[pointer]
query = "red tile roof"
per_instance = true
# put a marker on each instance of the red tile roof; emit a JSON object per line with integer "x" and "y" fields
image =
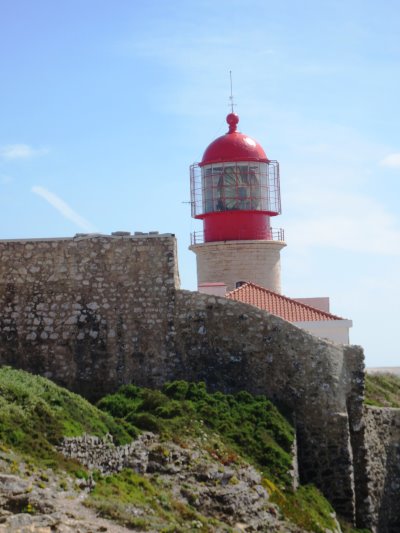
{"x": 279, "y": 305}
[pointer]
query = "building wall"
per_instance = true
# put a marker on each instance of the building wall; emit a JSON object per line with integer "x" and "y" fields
{"x": 96, "y": 312}
{"x": 233, "y": 261}
{"x": 217, "y": 289}
{"x": 319, "y": 302}
{"x": 334, "y": 330}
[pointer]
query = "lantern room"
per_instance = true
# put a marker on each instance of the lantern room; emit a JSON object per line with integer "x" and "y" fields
{"x": 235, "y": 189}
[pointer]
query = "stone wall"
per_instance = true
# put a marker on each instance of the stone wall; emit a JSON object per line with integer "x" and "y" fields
{"x": 378, "y": 470}
{"x": 94, "y": 312}
{"x": 233, "y": 346}
{"x": 100, "y": 453}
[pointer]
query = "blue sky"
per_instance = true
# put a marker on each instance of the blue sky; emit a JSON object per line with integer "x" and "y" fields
{"x": 104, "y": 105}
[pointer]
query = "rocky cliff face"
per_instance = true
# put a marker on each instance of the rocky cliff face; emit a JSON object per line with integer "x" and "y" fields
{"x": 232, "y": 493}
{"x": 232, "y": 496}
{"x": 44, "y": 502}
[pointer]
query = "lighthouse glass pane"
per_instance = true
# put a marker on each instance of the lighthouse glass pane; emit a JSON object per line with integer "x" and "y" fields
{"x": 235, "y": 186}
{"x": 208, "y": 190}
{"x": 250, "y": 186}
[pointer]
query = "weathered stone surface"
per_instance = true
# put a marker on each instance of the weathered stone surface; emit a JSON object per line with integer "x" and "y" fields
{"x": 89, "y": 312}
{"x": 233, "y": 494}
{"x": 101, "y": 454}
{"x": 42, "y": 502}
{"x": 378, "y": 470}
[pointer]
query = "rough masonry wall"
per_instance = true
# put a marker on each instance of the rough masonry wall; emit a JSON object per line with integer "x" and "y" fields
{"x": 95, "y": 312}
{"x": 91, "y": 312}
{"x": 378, "y": 470}
{"x": 233, "y": 346}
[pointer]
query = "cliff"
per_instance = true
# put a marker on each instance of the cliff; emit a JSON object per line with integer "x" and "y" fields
{"x": 189, "y": 475}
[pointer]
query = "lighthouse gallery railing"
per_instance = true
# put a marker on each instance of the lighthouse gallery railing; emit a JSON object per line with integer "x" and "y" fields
{"x": 276, "y": 234}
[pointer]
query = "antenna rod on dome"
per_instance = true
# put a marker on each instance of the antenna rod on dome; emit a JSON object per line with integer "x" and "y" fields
{"x": 231, "y": 96}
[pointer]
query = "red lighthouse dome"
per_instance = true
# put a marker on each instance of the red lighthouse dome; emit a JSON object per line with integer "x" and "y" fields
{"x": 233, "y": 146}
{"x": 235, "y": 188}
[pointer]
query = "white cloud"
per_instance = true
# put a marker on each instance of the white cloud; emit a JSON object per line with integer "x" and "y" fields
{"x": 20, "y": 151}
{"x": 391, "y": 160}
{"x": 63, "y": 208}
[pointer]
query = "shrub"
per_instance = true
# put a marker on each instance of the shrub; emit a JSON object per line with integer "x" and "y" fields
{"x": 177, "y": 389}
{"x": 146, "y": 421}
{"x": 250, "y": 425}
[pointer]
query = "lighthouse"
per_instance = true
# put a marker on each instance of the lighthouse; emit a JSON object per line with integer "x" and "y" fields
{"x": 235, "y": 191}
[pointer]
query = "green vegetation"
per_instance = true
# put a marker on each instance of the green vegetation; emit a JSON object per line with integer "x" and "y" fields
{"x": 35, "y": 414}
{"x": 306, "y": 507}
{"x": 382, "y": 390}
{"x": 115, "y": 496}
{"x": 346, "y": 528}
{"x": 231, "y": 427}
{"x": 249, "y": 426}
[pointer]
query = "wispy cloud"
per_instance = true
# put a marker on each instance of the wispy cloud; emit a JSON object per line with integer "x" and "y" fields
{"x": 391, "y": 160}
{"x": 21, "y": 151}
{"x": 63, "y": 208}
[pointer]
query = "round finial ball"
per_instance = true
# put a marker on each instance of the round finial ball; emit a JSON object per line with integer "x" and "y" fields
{"x": 232, "y": 119}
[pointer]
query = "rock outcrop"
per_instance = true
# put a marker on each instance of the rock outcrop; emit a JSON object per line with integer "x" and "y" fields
{"x": 45, "y": 501}
{"x": 233, "y": 493}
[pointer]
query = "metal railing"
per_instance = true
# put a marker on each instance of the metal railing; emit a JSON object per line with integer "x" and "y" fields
{"x": 275, "y": 234}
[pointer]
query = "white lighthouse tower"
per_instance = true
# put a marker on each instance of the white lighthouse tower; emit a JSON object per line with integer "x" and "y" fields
{"x": 235, "y": 191}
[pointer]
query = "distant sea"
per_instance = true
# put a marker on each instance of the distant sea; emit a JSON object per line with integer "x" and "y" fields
{"x": 384, "y": 370}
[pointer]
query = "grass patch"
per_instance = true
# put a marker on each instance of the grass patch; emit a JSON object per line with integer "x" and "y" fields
{"x": 382, "y": 390}
{"x": 136, "y": 502}
{"x": 306, "y": 507}
{"x": 35, "y": 414}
